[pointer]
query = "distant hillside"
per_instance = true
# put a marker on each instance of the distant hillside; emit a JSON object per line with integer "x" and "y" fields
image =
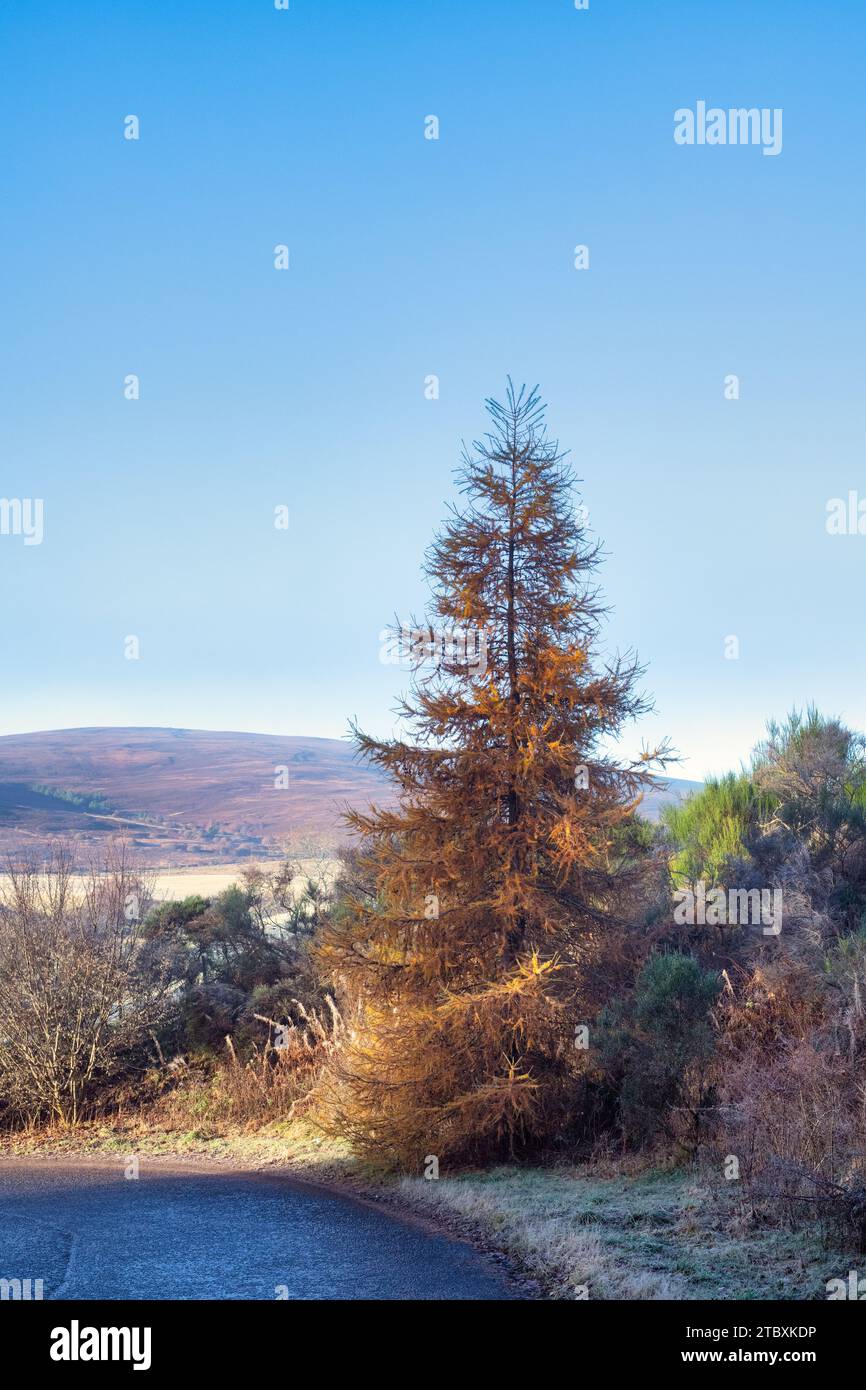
{"x": 667, "y": 790}
{"x": 181, "y": 797}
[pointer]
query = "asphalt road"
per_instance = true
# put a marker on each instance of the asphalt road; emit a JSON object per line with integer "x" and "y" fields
{"x": 89, "y": 1232}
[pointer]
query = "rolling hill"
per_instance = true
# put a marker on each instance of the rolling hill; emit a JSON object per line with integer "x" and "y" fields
{"x": 184, "y": 797}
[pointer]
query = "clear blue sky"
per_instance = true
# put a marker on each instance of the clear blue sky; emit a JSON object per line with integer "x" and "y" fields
{"x": 411, "y": 257}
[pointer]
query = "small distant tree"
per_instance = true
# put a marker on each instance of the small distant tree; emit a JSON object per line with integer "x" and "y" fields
{"x": 484, "y": 897}
{"x": 812, "y": 770}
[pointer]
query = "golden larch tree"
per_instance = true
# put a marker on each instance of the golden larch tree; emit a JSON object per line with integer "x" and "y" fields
{"x": 467, "y": 934}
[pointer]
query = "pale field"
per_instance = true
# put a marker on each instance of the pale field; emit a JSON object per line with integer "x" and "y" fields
{"x": 169, "y": 884}
{"x": 182, "y": 883}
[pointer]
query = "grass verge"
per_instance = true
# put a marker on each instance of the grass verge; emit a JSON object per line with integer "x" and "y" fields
{"x": 602, "y": 1231}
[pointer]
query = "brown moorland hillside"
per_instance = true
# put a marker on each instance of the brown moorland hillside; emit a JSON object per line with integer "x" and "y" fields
{"x": 182, "y": 797}
{"x": 179, "y": 796}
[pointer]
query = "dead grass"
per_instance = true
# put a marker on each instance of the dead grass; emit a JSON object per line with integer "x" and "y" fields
{"x": 296, "y": 1144}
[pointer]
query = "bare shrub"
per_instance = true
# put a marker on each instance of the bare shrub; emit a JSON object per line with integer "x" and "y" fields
{"x": 792, "y": 1103}
{"x": 80, "y": 990}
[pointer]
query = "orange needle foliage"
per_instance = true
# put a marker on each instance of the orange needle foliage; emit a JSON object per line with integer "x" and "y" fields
{"x": 468, "y": 940}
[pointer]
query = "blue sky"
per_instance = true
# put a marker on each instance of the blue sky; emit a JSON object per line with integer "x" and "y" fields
{"x": 411, "y": 257}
